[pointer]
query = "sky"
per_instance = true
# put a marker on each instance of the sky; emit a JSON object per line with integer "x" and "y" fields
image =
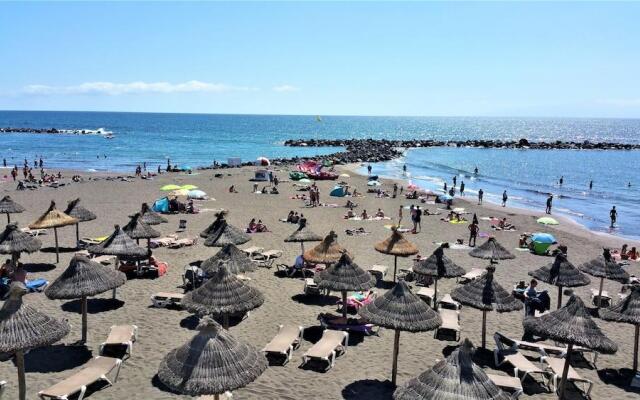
{"x": 326, "y": 58}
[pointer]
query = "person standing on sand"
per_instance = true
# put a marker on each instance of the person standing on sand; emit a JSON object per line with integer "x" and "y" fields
{"x": 395, "y": 190}
{"x": 418, "y": 219}
{"x": 475, "y": 170}
{"x": 455, "y": 179}
{"x": 549, "y": 200}
{"x": 462, "y": 188}
{"x": 404, "y": 169}
{"x": 613, "y": 214}
{"x": 504, "y": 198}
{"x": 480, "y": 194}
{"x": 561, "y": 181}
{"x": 369, "y": 169}
{"x": 399, "y": 215}
{"x": 473, "y": 233}
{"x": 4, "y": 162}
{"x": 445, "y": 187}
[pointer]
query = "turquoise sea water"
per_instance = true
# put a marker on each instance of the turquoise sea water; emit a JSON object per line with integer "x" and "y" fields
{"x": 197, "y": 139}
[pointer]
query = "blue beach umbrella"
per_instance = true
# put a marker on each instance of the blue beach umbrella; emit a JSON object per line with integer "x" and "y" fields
{"x": 445, "y": 197}
{"x": 543, "y": 238}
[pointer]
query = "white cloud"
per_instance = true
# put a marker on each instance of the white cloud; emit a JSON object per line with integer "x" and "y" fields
{"x": 285, "y": 88}
{"x": 621, "y": 102}
{"x": 114, "y": 89}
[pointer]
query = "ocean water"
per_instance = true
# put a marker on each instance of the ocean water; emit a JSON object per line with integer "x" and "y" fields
{"x": 199, "y": 139}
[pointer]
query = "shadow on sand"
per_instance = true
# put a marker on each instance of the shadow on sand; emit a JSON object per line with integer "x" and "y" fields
{"x": 94, "y": 306}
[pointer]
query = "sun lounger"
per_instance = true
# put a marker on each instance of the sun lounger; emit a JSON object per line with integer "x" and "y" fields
{"x": 285, "y": 342}
{"x": 507, "y": 383}
{"x": 166, "y": 299}
{"x": 34, "y": 232}
{"x": 105, "y": 260}
{"x": 310, "y": 286}
{"x": 556, "y": 366}
{"x": 338, "y": 322}
{"x": 94, "y": 371}
{"x": 253, "y": 250}
{"x": 121, "y": 335}
{"x": 266, "y": 258}
{"x": 2, "y": 387}
{"x": 450, "y": 323}
{"x": 162, "y": 242}
{"x": 426, "y": 294}
{"x": 544, "y": 349}
{"x": 178, "y": 243}
{"x": 472, "y": 275}
{"x": 604, "y": 299}
{"x": 332, "y": 344}
{"x": 379, "y": 271}
{"x": 448, "y": 302}
{"x": 517, "y": 360}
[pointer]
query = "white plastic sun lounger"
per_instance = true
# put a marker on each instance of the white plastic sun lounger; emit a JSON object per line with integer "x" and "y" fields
{"x": 95, "y": 370}
{"x": 285, "y": 342}
{"x": 310, "y": 286}
{"x": 504, "y": 342}
{"x": 267, "y": 258}
{"x": 166, "y": 299}
{"x": 121, "y": 335}
{"x": 2, "y": 387}
{"x": 605, "y": 299}
{"x": 448, "y": 302}
{"x": 472, "y": 275}
{"x": 556, "y": 365}
{"x": 379, "y": 271}
{"x": 508, "y": 383}
{"x": 332, "y": 344}
{"x": 253, "y": 250}
{"x": 450, "y": 323}
{"x": 426, "y": 294}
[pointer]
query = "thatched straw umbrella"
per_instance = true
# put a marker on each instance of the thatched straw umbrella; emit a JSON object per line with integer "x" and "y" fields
{"x": 344, "y": 276}
{"x": 151, "y": 217}
{"x": 491, "y": 250}
{"x": 303, "y": 234}
{"x": 561, "y": 273}
{"x": 222, "y": 295}
{"x": 137, "y": 229}
{"x": 211, "y": 363}
{"x": 627, "y": 311}
{"x": 397, "y": 246}
{"x": 438, "y": 265}
{"x": 326, "y": 252}
{"x": 13, "y": 241}
{"x": 23, "y": 328}
{"x": 236, "y": 261}
{"x": 604, "y": 267}
{"x": 573, "y": 325}
{"x": 75, "y": 210}
{"x": 221, "y": 233}
{"x": 486, "y": 294}
{"x": 53, "y": 218}
{"x": 8, "y": 206}
{"x": 81, "y": 279}
{"x": 455, "y": 378}
{"x": 401, "y": 310}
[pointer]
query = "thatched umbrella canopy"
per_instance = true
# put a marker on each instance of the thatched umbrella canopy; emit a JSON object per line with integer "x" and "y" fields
{"x": 75, "y": 210}
{"x": 303, "y": 234}
{"x": 8, "y": 206}
{"x": 22, "y": 328}
{"x": 151, "y": 217}
{"x": 344, "y": 276}
{"x": 491, "y": 250}
{"x": 53, "y": 218}
{"x": 236, "y": 261}
{"x": 455, "y": 378}
{"x": 211, "y": 363}
{"x": 627, "y": 311}
{"x": 400, "y": 310}
{"x": 605, "y": 267}
{"x": 222, "y": 295}
{"x": 220, "y": 233}
{"x": 486, "y": 294}
{"x": 326, "y": 252}
{"x": 84, "y": 278}
{"x": 397, "y": 246}
{"x": 438, "y": 265}
{"x": 137, "y": 229}
{"x": 573, "y": 325}
{"x": 561, "y": 273}
{"x": 13, "y": 241}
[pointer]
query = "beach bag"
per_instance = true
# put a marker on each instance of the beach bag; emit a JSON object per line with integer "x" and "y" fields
{"x": 161, "y": 268}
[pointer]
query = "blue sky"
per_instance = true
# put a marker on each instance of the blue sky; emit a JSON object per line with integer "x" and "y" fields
{"x": 495, "y": 59}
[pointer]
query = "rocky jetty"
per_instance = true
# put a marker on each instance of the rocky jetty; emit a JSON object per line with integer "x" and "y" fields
{"x": 10, "y": 129}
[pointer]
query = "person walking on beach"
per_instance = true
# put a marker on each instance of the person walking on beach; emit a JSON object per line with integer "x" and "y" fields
{"x": 404, "y": 169}
{"x": 395, "y": 190}
{"x": 613, "y": 214}
{"x": 4, "y": 162}
{"x": 504, "y": 198}
{"x": 369, "y": 169}
{"x": 445, "y": 187}
{"x": 590, "y": 185}
{"x": 399, "y": 215}
{"x": 475, "y": 170}
{"x": 473, "y": 233}
{"x": 418, "y": 219}
{"x": 480, "y": 194}
{"x": 462, "y": 188}
{"x": 455, "y": 179}
{"x": 549, "y": 200}
{"x": 561, "y": 181}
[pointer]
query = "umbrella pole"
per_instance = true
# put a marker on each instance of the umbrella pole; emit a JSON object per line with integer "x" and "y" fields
{"x": 55, "y": 233}
{"x": 600, "y": 293}
{"x": 114, "y": 289}
{"x": 149, "y": 249}
{"x": 435, "y": 291}
{"x": 484, "y": 328}
{"x": 77, "y": 234}
{"x": 559, "y": 297}
{"x": 216, "y": 397}
{"x": 8, "y": 219}
{"x": 396, "y": 348}
{"x": 565, "y": 371}
{"x": 225, "y": 321}
{"x": 83, "y": 300}
{"x": 22, "y": 385}
{"x": 635, "y": 349}
{"x": 395, "y": 266}
{"x": 344, "y": 304}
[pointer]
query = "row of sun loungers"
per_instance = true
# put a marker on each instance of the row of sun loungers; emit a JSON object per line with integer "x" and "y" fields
{"x": 96, "y": 370}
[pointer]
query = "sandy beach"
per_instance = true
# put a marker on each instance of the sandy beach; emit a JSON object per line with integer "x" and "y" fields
{"x": 364, "y": 370}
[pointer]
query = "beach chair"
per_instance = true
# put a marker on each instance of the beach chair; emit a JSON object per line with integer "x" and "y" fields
{"x": 472, "y": 275}
{"x": 604, "y": 300}
{"x": 121, "y": 335}
{"x": 510, "y": 355}
{"x": 162, "y": 242}
{"x": 267, "y": 258}
{"x": 184, "y": 242}
{"x": 449, "y": 303}
{"x": 450, "y": 323}
{"x": 94, "y": 371}
{"x": 2, "y": 387}
{"x": 426, "y": 294}
{"x": 332, "y": 344}
{"x": 253, "y": 250}
{"x": 542, "y": 348}
{"x": 556, "y": 366}
{"x": 166, "y": 299}
{"x": 507, "y": 383}
{"x": 182, "y": 225}
{"x": 34, "y": 232}
{"x": 285, "y": 342}
{"x": 310, "y": 287}
{"x": 105, "y": 260}
{"x": 192, "y": 277}
{"x": 379, "y": 272}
